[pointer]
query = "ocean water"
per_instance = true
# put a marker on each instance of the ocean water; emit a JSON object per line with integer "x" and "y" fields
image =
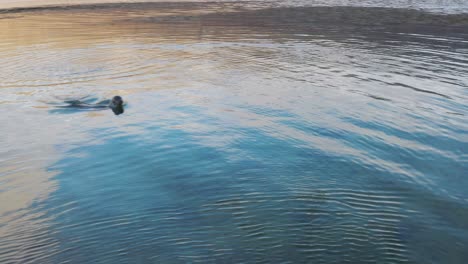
{"x": 253, "y": 132}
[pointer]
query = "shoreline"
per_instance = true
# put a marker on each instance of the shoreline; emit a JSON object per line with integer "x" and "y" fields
{"x": 13, "y": 6}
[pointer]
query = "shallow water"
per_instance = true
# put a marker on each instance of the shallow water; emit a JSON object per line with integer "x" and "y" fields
{"x": 252, "y": 133}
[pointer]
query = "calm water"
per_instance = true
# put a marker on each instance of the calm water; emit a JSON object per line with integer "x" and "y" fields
{"x": 253, "y": 133}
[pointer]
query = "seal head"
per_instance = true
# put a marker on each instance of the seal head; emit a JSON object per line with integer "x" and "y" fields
{"x": 117, "y": 105}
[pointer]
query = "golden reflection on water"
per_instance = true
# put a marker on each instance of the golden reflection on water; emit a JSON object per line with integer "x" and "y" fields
{"x": 71, "y": 28}
{"x": 26, "y": 185}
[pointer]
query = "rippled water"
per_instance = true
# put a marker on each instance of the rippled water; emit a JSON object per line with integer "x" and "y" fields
{"x": 276, "y": 134}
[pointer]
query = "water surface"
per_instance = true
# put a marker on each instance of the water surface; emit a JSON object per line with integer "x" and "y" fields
{"x": 252, "y": 133}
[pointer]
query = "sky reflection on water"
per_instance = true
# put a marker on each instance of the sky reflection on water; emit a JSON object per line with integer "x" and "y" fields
{"x": 250, "y": 135}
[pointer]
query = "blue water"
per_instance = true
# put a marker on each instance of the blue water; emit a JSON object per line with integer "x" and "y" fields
{"x": 250, "y": 135}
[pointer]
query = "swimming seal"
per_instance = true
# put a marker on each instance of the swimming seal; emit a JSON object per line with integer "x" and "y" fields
{"x": 87, "y": 104}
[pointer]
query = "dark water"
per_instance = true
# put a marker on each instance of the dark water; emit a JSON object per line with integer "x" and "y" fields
{"x": 251, "y": 134}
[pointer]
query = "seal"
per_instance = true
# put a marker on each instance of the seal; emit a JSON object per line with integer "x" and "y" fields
{"x": 116, "y": 105}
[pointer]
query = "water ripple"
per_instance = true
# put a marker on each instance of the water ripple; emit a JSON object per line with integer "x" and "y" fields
{"x": 253, "y": 132}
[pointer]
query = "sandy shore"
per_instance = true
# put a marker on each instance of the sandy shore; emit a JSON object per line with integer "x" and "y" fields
{"x": 11, "y": 4}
